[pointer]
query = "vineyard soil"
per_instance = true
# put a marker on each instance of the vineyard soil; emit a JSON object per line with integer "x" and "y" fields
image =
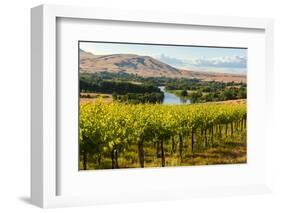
{"x": 227, "y": 153}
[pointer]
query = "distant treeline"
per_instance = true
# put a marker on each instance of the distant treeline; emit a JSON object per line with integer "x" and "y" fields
{"x": 222, "y": 95}
{"x": 122, "y": 91}
{"x": 198, "y": 91}
{"x": 137, "y": 98}
{"x": 120, "y": 88}
{"x": 207, "y": 91}
{"x": 203, "y": 86}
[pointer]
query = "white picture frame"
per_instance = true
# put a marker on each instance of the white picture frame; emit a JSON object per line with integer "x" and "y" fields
{"x": 44, "y": 84}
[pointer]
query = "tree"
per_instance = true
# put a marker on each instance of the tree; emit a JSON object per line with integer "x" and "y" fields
{"x": 184, "y": 93}
{"x": 195, "y": 96}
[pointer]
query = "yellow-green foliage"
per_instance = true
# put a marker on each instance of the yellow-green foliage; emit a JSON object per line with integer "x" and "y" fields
{"x": 106, "y": 127}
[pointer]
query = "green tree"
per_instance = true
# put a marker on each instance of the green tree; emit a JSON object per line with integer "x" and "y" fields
{"x": 184, "y": 93}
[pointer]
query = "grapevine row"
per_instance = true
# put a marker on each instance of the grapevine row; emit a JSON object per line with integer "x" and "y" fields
{"x": 110, "y": 129}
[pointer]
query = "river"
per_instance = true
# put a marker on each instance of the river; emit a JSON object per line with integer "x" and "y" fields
{"x": 170, "y": 98}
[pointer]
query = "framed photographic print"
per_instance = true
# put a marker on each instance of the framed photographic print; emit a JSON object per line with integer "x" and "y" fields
{"x": 130, "y": 106}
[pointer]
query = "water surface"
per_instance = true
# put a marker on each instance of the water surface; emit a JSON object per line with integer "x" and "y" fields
{"x": 170, "y": 98}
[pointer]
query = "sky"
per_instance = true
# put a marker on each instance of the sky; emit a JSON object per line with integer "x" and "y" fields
{"x": 211, "y": 59}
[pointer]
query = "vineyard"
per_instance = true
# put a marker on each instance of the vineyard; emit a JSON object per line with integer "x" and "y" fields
{"x": 120, "y": 135}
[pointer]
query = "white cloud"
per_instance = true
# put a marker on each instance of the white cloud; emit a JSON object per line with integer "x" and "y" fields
{"x": 234, "y": 61}
{"x": 229, "y": 64}
{"x": 170, "y": 60}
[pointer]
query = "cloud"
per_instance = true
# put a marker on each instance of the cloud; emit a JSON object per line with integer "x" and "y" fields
{"x": 227, "y": 62}
{"x": 170, "y": 60}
